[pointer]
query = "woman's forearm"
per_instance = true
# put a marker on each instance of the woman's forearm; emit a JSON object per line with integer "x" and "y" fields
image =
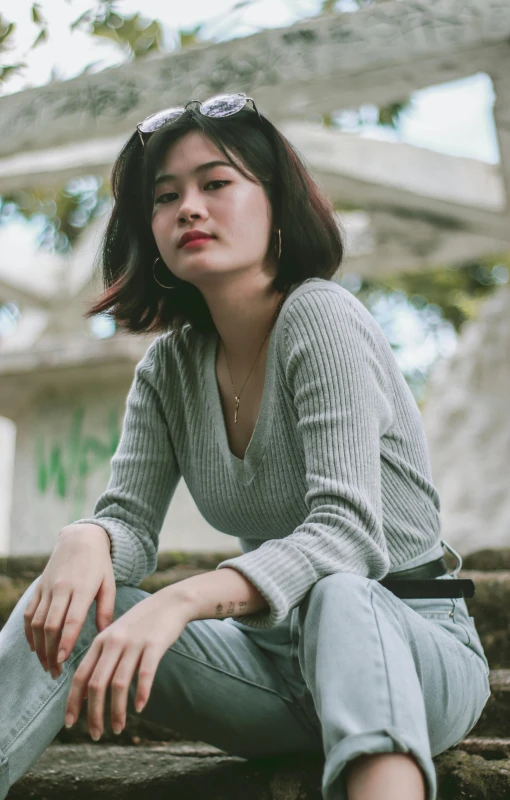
{"x": 218, "y": 594}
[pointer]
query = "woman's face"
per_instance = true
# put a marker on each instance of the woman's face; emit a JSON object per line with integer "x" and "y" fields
{"x": 217, "y": 200}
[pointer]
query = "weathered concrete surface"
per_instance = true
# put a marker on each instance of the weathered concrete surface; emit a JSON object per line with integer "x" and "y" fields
{"x": 461, "y": 775}
{"x": 67, "y": 398}
{"x": 131, "y": 773}
{"x": 465, "y": 415}
{"x": 494, "y": 721}
{"x": 490, "y": 747}
{"x": 160, "y": 772}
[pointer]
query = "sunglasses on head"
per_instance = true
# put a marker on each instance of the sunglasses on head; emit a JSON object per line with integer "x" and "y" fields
{"x": 221, "y": 105}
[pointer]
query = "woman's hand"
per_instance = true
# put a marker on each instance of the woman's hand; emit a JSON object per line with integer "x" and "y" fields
{"x": 79, "y": 571}
{"x": 136, "y": 640}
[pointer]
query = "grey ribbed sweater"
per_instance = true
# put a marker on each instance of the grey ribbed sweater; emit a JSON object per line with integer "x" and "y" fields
{"x": 336, "y": 477}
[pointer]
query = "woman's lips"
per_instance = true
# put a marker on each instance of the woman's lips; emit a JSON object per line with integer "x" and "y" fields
{"x": 197, "y": 242}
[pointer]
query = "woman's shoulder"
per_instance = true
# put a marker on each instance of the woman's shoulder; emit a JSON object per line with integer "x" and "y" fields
{"x": 317, "y": 295}
{"x": 330, "y": 315}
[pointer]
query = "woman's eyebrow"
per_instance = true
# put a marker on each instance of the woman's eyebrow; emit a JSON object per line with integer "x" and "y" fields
{"x": 200, "y": 168}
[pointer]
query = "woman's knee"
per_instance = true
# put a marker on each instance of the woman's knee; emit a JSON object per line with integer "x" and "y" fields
{"x": 340, "y": 583}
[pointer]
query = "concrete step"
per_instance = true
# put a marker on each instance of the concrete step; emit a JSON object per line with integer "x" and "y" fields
{"x": 191, "y": 770}
{"x": 489, "y": 606}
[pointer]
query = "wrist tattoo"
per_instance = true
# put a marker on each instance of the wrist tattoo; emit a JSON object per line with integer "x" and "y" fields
{"x": 231, "y": 608}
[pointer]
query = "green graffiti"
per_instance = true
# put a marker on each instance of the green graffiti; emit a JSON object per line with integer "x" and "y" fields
{"x": 67, "y": 466}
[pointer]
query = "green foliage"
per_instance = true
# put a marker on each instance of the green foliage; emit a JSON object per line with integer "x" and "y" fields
{"x": 64, "y": 212}
{"x": 390, "y": 115}
{"x": 437, "y": 298}
{"x": 458, "y": 290}
{"x": 7, "y": 30}
{"x": 135, "y": 35}
{"x": 189, "y": 37}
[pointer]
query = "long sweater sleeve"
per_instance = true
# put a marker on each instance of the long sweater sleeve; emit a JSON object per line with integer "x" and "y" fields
{"x": 335, "y": 372}
{"x": 143, "y": 477}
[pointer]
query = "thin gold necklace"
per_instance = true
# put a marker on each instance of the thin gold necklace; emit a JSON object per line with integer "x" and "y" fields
{"x": 237, "y": 397}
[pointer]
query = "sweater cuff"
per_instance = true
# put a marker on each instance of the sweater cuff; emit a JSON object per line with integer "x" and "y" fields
{"x": 281, "y": 573}
{"x": 123, "y": 552}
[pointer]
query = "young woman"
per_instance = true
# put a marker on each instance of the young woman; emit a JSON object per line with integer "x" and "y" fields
{"x": 273, "y": 392}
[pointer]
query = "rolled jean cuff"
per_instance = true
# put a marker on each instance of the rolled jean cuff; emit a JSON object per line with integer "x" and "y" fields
{"x": 4, "y": 776}
{"x": 334, "y": 786}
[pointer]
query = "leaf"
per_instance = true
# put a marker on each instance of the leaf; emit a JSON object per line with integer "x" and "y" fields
{"x": 10, "y": 69}
{"x": 37, "y": 17}
{"x": 42, "y": 37}
{"x": 85, "y": 17}
{"x": 114, "y": 21}
{"x": 389, "y": 115}
{"x": 6, "y": 29}
{"x": 136, "y": 34}
{"x": 189, "y": 36}
{"x": 102, "y": 29}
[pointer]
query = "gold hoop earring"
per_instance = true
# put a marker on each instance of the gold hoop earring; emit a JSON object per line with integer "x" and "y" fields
{"x": 279, "y": 244}
{"x": 154, "y": 274}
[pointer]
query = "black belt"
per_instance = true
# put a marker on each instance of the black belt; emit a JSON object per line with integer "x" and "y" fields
{"x": 418, "y": 582}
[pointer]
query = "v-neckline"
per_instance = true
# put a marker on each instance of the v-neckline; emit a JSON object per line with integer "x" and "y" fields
{"x": 242, "y": 469}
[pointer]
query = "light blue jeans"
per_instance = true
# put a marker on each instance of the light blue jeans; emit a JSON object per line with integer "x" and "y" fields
{"x": 352, "y": 670}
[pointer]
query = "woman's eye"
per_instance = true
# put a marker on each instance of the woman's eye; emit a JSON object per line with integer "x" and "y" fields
{"x": 223, "y": 182}
{"x": 168, "y": 194}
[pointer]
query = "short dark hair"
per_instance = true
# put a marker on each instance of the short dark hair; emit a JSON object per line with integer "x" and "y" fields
{"x": 311, "y": 238}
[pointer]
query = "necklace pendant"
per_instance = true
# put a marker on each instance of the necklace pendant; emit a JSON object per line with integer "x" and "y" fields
{"x": 237, "y": 406}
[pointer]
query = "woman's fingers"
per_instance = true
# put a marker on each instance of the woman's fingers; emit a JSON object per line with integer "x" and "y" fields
{"x": 80, "y": 683}
{"x": 74, "y": 620}
{"x": 29, "y": 613}
{"x": 91, "y": 679}
{"x": 146, "y": 672}
{"x": 121, "y": 682}
{"x": 38, "y": 634}
{"x": 109, "y": 664}
{"x": 60, "y": 600}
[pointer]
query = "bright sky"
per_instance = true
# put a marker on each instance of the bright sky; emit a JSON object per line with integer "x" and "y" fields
{"x": 454, "y": 118}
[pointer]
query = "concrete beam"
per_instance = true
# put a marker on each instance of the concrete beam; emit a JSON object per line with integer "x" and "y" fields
{"x": 469, "y": 188}
{"x": 57, "y": 165}
{"x": 11, "y": 292}
{"x": 502, "y": 118}
{"x": 366, "y": 171}
{"x": 320, "y": 64}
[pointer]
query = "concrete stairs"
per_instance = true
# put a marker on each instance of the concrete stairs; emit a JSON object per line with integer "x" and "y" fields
{"x": 149, "y": 761}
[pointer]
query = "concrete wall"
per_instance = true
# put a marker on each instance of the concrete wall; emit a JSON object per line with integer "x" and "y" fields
{"x": 65, "y": 439}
